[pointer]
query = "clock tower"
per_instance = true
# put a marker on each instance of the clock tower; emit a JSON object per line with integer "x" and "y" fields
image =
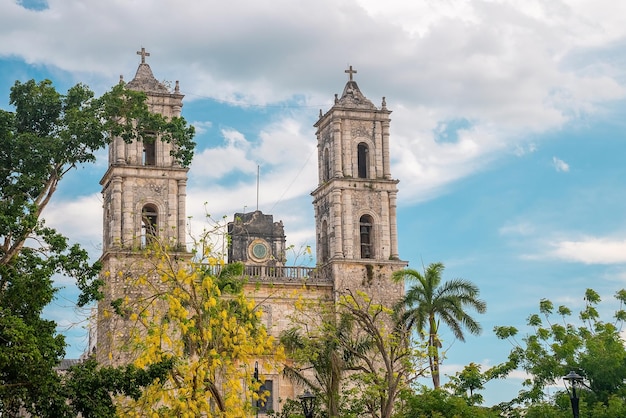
{"x": 256, "y": 240}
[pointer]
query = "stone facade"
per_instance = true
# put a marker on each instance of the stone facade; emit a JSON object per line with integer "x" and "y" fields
{"x": 144, "y": 194}
{"x": 355, "y": 201}
{"x": 255, "y": 239}
{"x": 278, "y": 301}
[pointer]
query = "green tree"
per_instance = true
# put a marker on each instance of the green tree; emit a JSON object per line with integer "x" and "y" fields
{"x": 92, "y": 388}
{"x": 467, "y": 383}
{"x": 428, "y": 302}
{"x": 353, "y": 355}
{"x": 318, "y": 349}
{"x": 44, "y": 137}
{"x": 292, "y": 408}
{"x": 388, "y": 360}
{"x": 590, "y": 346}
{"x": 438, "y": 403}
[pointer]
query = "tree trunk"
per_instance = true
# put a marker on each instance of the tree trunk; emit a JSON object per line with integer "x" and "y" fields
{"x": 433, "y": 353}
{"x": 434, "y": 368}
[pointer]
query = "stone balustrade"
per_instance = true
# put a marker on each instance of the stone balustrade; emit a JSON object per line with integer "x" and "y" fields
{"x": 281, "y": 274}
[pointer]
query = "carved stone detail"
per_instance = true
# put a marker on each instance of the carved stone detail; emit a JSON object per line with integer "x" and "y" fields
{"x": 156, "y": 188}
{"x": 360, "y": 130}
{"x": 326, "y": 137}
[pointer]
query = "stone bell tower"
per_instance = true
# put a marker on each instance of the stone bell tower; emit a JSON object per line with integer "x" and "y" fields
{"x": 144, "y": 192}
{"x": 355, "y": 201}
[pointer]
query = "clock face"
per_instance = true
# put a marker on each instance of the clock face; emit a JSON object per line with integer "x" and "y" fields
{"x": 259, "y": 250}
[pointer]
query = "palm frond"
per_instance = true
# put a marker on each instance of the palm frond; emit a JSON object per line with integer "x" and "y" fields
{"x": 428, "y": 301}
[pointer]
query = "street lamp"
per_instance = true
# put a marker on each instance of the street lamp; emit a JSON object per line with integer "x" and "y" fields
{"x": 256, "y": 379}
{"x": 307, "y": 399}
{"x": 574, "y": 381}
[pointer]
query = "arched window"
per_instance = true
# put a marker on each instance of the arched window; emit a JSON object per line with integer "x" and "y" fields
{"x": 149, "y": 224}
{"x": 149, "y": 153}
{"x": 324, "y": 242}
{"x": 363, "y": 160}
{"x": 365, "y": 231}
{"x": 326, "y": 168}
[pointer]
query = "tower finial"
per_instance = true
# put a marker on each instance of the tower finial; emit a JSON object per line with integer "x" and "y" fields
{"x": 350, "y": 71}
{"x": 143, "y": 54}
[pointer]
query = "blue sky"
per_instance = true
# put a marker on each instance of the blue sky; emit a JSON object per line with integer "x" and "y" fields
{"x": 507, "y": 128}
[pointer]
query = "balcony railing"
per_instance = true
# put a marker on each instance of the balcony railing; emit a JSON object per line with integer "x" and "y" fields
{"x": 281, "y": 274}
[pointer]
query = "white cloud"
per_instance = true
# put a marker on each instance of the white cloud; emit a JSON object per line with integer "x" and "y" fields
{"x": 507, "y": 68}
{"x": 80, "y": 219}
{"x": 283, "y": 154}
{"x": 427, "y": 166}
{"x": 590, "y": 250}
{"x": 232, "y": 156}
{"x": 201, "y": 126}
{"x": 225, "y": 178}
{"x": 511, "y": 68}
{"x": 522, "y": 149}
{"x": 560, "y": 165}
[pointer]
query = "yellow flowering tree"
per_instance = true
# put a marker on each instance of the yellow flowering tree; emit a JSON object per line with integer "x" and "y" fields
{"x": 196, "y": 313}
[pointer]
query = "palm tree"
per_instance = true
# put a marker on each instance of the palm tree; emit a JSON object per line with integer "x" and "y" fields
{"x": 429, "y": 302}
{"x": 322, "y": 358}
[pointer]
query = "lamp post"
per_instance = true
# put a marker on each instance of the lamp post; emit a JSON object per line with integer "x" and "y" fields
{"x": 574, "y": 381}
{"x": 256, "y": 379}
{"x": 307, "y": 399}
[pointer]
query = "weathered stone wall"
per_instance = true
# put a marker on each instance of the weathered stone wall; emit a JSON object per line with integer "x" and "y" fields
{"x": 280, "y": 304}
{"x": 246, "y": 228}
{"x": 127, "y": 189}
{"x": 371, "y": 277}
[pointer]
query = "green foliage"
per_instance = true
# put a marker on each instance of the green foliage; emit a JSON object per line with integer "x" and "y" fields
{"x": 389, "y": 359}
{"x": 319, "y": 349}
{"x": 593, "y": 348}
{"x": 47, "y": 135}
{"x": 356, "y": 358}
{"x": 505, "y": 332}
{"x": 438, "y": 403}
{"x": 428, "y": 302}
{"x": 614, "y": 407}
{"x": 544, "y": 410}
{"x": 467, "y": 383}
{"x": 91, "y": 388}
{"x": 29, "y": 351}
{"x": 293, "y": 409}
{"x": 125, "y": 114}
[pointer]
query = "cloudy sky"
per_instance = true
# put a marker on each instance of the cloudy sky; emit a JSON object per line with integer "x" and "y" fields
{"x": 507, "y": 127}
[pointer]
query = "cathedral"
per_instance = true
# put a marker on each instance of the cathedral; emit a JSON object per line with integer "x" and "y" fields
{"x": 356, "y": 245}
